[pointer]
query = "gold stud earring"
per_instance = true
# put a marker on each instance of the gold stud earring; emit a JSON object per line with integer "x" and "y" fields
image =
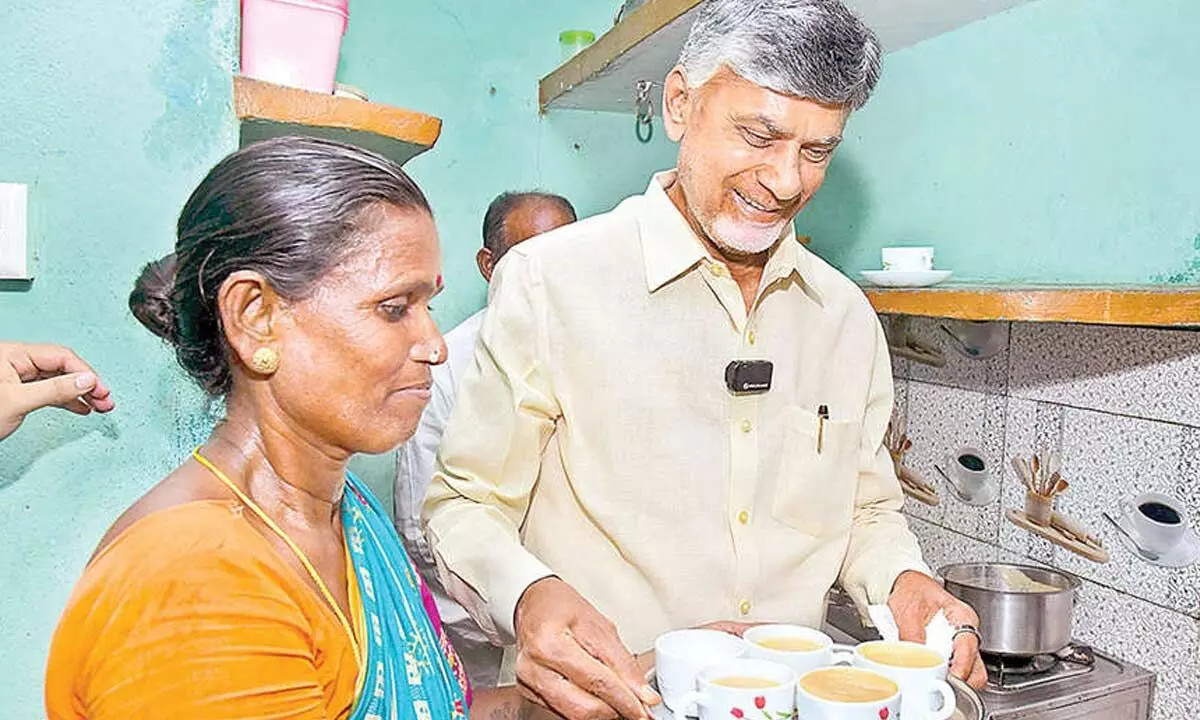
{"x": 265, "y": 361}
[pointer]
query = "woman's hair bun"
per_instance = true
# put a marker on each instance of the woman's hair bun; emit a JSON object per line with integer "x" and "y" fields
{"x": 152, "y": 298}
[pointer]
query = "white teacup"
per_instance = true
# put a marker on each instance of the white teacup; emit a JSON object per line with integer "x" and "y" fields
{"x": 680, "y": 655}
{"x": 1160, "y": 520}
{"x": 846, "y": 693}
{"x": 968, "y": 468}
{"x": 800, "y": 648}
{"x": 744, "y": 688}
{"x": 919, "y": 672}
{"x": 907, "y": 259}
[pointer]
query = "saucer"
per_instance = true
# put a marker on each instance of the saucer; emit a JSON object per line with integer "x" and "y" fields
{"x": 985, "y": 496}
{"x": 661, "y": 711}
{"x": 1185, "y": 552}
{"x": 906, "y": 278}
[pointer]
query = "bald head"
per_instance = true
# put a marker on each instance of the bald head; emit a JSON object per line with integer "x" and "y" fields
{"x": 513, "y": 218}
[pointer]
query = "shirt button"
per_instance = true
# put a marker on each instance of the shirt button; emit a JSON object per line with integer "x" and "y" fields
{"x": 743, "y": 517}
{"x": 746, "y": 426}
{"x": 744, "y": 608}
{"x": 750, "y": 337}
{"x": 717, "y": 269}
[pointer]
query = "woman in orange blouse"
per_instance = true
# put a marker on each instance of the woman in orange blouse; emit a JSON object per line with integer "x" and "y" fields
{"x": 260, "y": 579}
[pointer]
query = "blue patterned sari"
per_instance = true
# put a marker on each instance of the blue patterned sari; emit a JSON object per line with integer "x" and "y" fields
{"x": 410, "y": 671}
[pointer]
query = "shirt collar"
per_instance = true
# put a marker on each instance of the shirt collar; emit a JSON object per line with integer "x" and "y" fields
{"x": 670, "y": 247}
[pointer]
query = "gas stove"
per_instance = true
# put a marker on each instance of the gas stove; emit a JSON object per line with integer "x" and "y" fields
{"x": 1077, "y": 682}
{"x": 1007, "y": 674}
{"x": 1056, "y": 688}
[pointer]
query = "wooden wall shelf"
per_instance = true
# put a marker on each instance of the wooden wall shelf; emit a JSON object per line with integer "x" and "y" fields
{"x": 1101, "y": 305}
{"x": 267, "y": 110}
{"x": 645, "y": 45}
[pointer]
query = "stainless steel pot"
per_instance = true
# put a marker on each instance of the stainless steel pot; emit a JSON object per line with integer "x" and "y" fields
{"x": 1013, "y": 622}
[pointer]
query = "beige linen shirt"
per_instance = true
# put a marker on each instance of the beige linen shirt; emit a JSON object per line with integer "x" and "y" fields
{"x": 594, "y": 437}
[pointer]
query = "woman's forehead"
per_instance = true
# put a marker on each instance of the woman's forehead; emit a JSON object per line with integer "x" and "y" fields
{"x": 394, "y": 248}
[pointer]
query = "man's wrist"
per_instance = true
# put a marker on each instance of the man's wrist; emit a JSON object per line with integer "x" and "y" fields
{"x": 521, "y": 599}
{"x": 907, "y": 576}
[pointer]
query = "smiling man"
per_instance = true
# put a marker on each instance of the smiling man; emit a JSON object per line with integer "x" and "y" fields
{"x": 676, "y": 413}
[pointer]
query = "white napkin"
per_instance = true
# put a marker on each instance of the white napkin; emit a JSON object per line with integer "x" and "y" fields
{"x": 939, "y": 633}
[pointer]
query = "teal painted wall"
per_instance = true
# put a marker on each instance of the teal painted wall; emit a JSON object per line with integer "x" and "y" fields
{"x": 112, "y": 113}
{"x": 1056, "y": 142}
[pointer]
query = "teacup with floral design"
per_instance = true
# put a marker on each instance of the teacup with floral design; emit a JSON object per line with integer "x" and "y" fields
{"x": 745, "y": 690}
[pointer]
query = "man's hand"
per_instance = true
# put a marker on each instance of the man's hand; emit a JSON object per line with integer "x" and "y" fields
{"x": 38, "y": 376}
{"x": 570, "y": 658}
{"x": 729, "y": 626}
{"x": 915, "y": 600}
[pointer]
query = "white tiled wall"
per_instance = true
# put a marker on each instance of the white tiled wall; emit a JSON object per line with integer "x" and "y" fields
{"x": 1122, "y": 406}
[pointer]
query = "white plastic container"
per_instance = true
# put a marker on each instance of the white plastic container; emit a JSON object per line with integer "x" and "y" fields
{"x": 293, "y": 42}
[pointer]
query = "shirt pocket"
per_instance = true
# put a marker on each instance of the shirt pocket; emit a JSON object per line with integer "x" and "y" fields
{"x": 814, "y": 492}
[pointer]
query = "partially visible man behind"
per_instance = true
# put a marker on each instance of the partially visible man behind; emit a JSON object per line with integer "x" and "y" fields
{"x": 510, "y": 219}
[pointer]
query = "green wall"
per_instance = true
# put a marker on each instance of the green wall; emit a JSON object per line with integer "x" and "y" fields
{"x": 1056, "y": 142}
{"x": 112, "y": 113}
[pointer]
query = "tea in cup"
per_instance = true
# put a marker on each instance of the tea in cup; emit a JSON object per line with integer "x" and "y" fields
{"x": 846, "y": 693}
{"x": 919, "y": 672}
{"x": 1159, "y": 520}
{"x": 744, "y": 688}
{"x": 968, "y": 469}
{"x": 800, "y": 648}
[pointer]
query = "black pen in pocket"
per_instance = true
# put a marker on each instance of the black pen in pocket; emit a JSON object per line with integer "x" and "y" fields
{"x": 822, "y": 416}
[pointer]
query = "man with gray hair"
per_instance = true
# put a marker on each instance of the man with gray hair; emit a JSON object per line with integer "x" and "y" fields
{"x": 676, "y": 414}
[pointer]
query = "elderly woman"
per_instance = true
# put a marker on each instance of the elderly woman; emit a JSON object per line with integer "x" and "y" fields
{"x": 261, "y": 579}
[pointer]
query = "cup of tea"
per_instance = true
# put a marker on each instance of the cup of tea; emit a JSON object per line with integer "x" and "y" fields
{"x": 847, "y": 693}
{"x": 968, "y": 469}
{"x": 800, "y": 648}
{"x": 918, "y": 671}
{"x": 1159, "y": 520}
{"x": 907, "y": 259}
{"x": 744, "y": 688}
{"x": 680, "y": 655}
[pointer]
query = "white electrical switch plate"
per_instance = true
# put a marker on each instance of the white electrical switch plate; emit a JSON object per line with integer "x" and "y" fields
{"x": 14, "y": 249}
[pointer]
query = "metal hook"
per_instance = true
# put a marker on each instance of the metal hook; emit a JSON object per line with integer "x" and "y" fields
{"x": 643, "y": 112}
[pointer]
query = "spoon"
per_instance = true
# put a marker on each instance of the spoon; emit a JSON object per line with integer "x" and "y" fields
{"x": 1020, "y": 470}
{"x": 1148, "y": 554}
{"x": 1027, "y": 471}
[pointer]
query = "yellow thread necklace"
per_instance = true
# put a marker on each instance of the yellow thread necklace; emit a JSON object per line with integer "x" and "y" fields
{"x": 245, "y": 500}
